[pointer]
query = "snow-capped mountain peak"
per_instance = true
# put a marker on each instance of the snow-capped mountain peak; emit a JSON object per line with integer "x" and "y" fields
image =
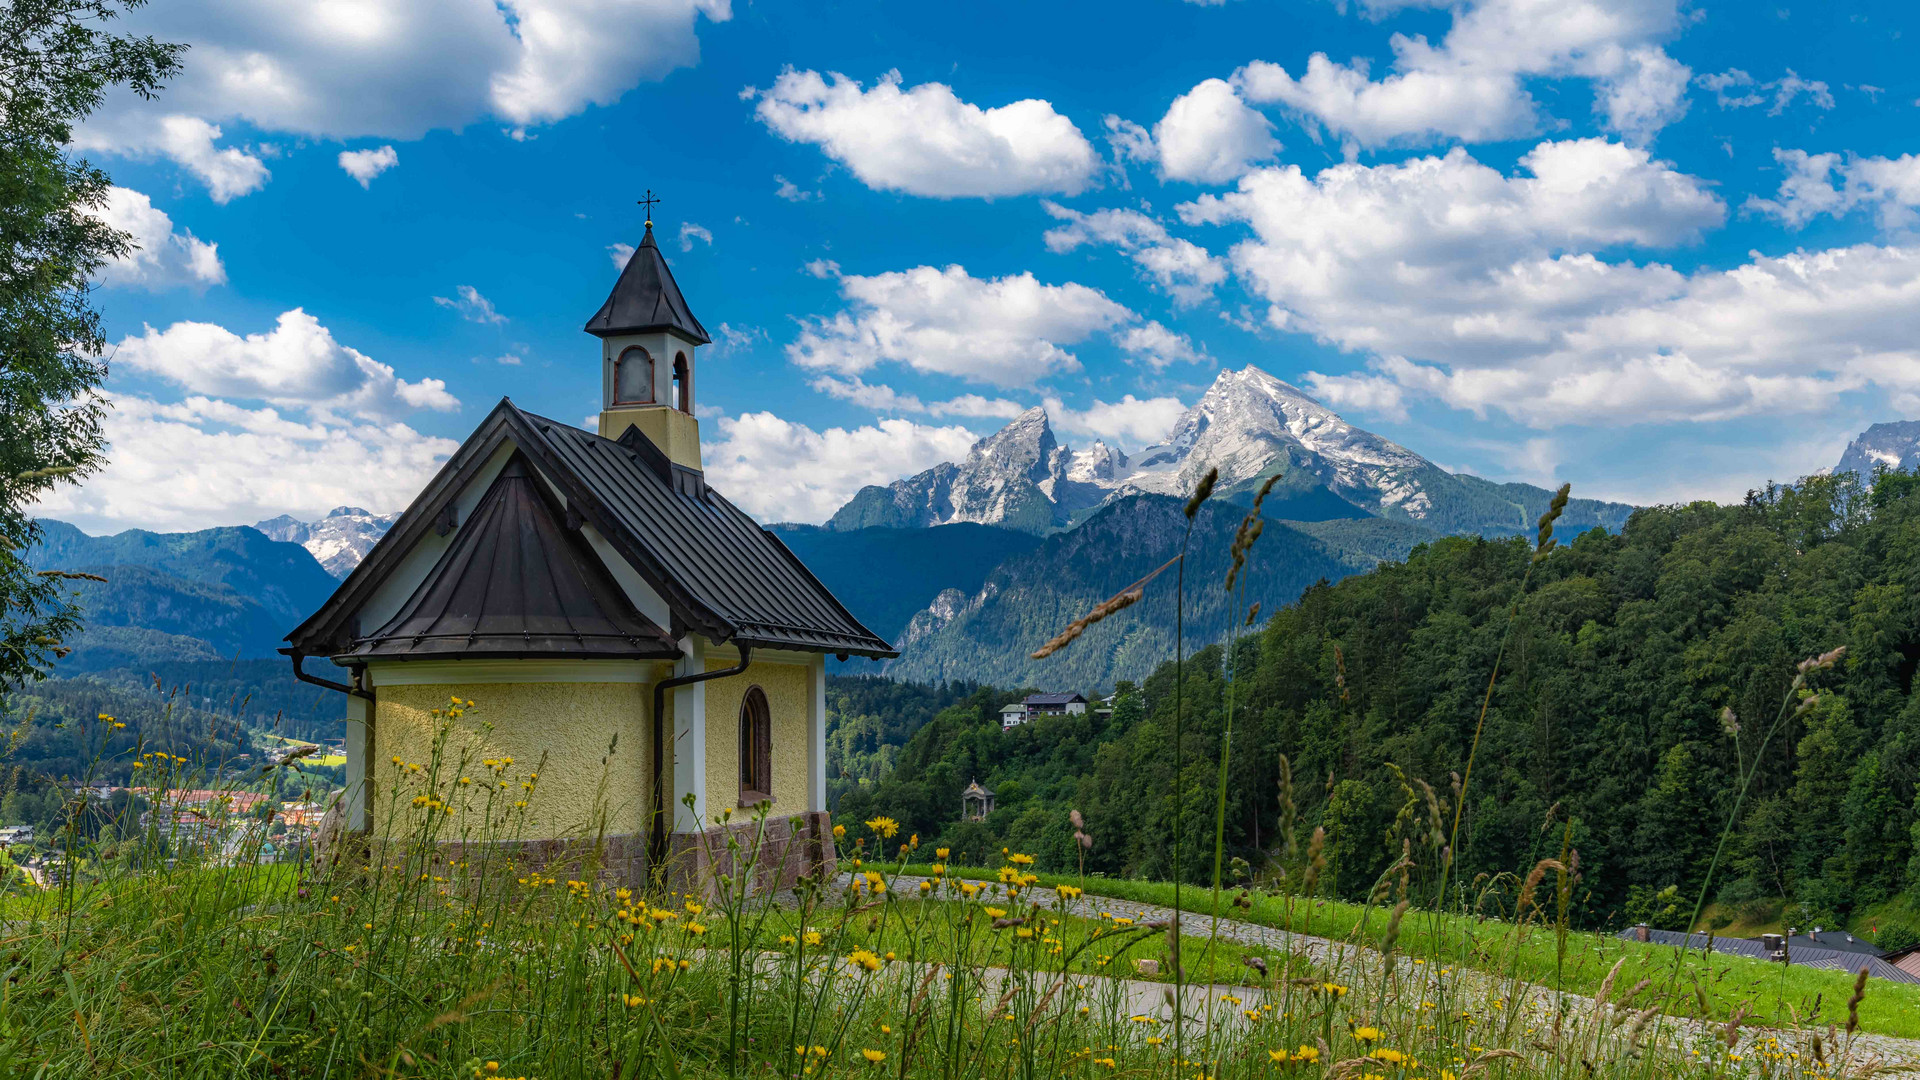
{"x": 1247, "y": 420}
{"x": 1895, "y": 445}
{"x": 1248, "y": 424}
{"x": 339, "y": 540}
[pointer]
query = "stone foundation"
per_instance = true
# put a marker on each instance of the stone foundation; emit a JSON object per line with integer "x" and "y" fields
{"x": 790, "y": 848}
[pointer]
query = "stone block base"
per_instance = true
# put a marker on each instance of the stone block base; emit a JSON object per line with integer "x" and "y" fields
{"x": 781, "y": 852}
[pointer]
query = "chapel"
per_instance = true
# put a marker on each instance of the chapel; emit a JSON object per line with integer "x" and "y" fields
{"x": 611, "y": 616}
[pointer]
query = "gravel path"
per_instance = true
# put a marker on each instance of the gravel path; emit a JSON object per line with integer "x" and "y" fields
{"x": 1541, "y": 1003}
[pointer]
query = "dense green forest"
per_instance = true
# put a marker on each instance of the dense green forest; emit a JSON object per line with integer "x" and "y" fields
{"x": 870, "y": 718}
{"x": 1643, "y": 672}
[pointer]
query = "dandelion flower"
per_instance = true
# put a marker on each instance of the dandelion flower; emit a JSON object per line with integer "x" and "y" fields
{"x": 874, "y": 1057}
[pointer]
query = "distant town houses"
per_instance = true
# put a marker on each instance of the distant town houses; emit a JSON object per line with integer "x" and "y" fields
{"x": 15, "y": 835}
{"x": 1035, "y": 706}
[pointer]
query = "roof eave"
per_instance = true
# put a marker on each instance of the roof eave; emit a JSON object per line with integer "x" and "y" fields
{"x": 694, "y": 336}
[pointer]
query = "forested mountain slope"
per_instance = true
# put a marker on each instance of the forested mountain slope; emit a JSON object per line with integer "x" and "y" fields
{"x": 1607, "y": 717}
{"x": 988, "y": 635}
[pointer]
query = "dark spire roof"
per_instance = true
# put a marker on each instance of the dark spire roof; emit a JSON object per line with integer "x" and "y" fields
{"x": 646, "y": 299}
{"x": 515, "y": 582}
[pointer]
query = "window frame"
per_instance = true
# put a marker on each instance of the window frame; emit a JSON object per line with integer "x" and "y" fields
{"x": 755, "y": 747}
{"x": 620, "y": 362}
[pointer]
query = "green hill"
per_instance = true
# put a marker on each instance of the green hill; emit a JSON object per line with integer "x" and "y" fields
{"x": 1607, "y": 731}
{"x": 232, "y": 590}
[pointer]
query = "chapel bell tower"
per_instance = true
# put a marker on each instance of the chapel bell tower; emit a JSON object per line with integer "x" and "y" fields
{"x": 648, "y": 340}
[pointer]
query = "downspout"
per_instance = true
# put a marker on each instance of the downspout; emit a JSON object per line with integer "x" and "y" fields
{"x": 356, "y": 690}
{"x": 657, "y": 842}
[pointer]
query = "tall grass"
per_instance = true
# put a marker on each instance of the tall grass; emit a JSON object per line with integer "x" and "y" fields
{"x": 446, "y": 944}
{"x": 440, "y": 946}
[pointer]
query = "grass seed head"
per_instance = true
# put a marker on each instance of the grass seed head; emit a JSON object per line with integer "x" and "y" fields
{"x": 1202, "y": 491}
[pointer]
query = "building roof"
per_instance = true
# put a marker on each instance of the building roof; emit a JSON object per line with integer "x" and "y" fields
{"x": 516, "y": 584}
{"x": 974, "y": 788}
{"x": 1054, "y": 699}
{"x": 1804, "y": 955}
{"x": 1837, "y": 940}
{"x": 646, "y": 299}
{"x": 721, "y": 574}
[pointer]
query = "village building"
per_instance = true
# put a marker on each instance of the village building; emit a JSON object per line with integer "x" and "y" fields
{"x": 1034, "y": 706}
{"x": 608, "y": 613}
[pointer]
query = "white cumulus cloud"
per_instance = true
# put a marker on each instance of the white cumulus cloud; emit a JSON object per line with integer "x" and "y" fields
{"x": 1156, "y": 346}
{"x": 1210, "y": 136}
{"x": 1008, "y": 331}
{"x": 1486, "y": 291}
{"x": 204, "y": 462}
{"x": 1130, "y": 421}
{"x": 1446, "y": 257}
{"x": 364, "y": 165}
{"x": 883, "y": 398}
{"x": 778, "y": 470}
{"x": 298, "y": 363}
{"x": 346, "y": 69}
{"x": 472, "y": 306}
{"x": 1181, "y": 268}
{"x": 689, "y": 232}
{"x": 188, "y": 141}
{"x": 162, "y": 257}
{"x": 924, "y": 140}
{"x": 1890, "y": 186}
{"x": 1471, "y": 86}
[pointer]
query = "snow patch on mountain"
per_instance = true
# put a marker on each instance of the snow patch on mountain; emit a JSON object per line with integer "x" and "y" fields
{"x": 1895, "y": 445}
{"x": 338, "y": 541}
{"x": 1249, "y": 425}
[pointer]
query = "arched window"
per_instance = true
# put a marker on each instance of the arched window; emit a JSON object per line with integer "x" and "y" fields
{"x": 633, "y": 377}
{"x": 682, "y": 383}
{"x": 756, "y": 749}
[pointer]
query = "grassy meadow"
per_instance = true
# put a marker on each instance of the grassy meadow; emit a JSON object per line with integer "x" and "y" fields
{"x": 434, "y": 947}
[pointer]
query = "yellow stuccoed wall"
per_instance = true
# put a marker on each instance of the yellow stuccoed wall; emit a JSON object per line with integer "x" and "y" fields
{"x": 787, "y": 687}
{"x": 571, "y": 723}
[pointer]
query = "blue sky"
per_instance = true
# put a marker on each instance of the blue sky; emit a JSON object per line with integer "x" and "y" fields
{"x": 1662, "y": 250}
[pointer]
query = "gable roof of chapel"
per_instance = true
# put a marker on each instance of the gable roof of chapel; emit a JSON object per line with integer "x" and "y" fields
{"x": 720, "y": 573}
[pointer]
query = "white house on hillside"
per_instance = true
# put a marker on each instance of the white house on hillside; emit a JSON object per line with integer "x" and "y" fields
{"x": 1038, "y": 705}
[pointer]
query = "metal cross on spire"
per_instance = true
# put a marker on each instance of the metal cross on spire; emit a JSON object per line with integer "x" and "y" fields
{"x": 648, "y": 203}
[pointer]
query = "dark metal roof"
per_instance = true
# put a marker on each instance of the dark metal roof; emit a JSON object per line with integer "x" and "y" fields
{"x": 1803, "y": 955}
{"x": 515, "y": 582}
{"x": 646, "y": 299}
{"x": 720, "y": 573}
{"x": 722, "y": 560}
{"x": 1054, "y": 699}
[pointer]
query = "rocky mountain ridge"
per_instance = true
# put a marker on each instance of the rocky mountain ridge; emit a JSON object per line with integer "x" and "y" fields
{"x": 1895, "y": 445}
{"x": 1250, "y": 425}
{"x": 339, "y": 540}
